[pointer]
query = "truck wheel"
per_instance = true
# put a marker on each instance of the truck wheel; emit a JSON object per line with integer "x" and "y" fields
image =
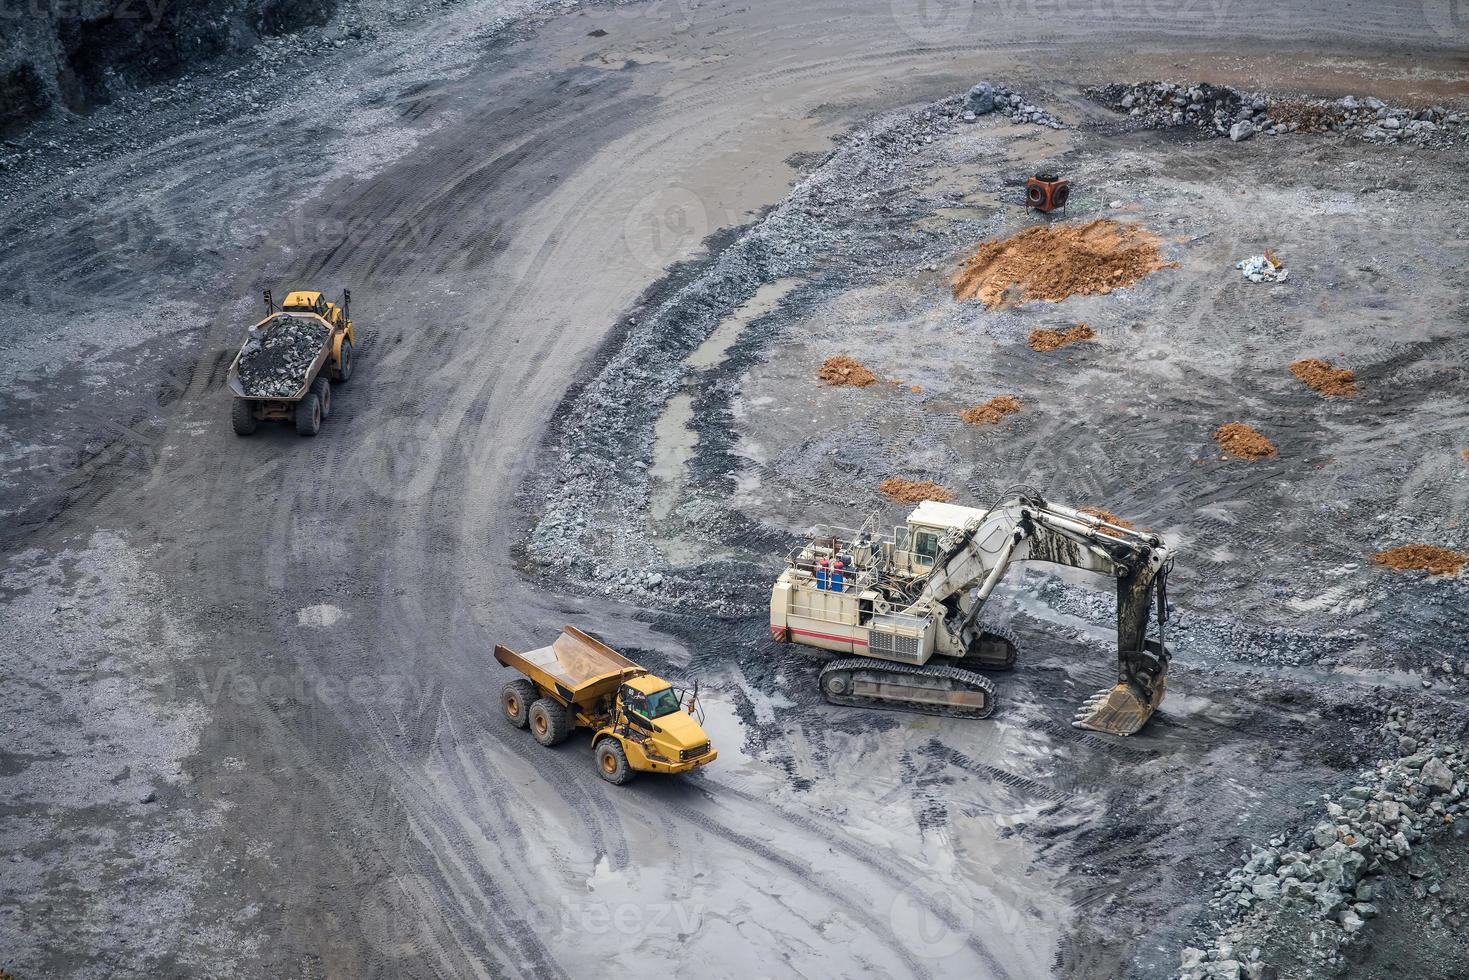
{"x": 242, "y": 417}
{"x": 612, "y": 762}
{"x": 344, "y": 364}
{"x": 308, "y": 415}
{"x": 515, "y": 701}
{"x": 322, "y": 389}
{"x": 549, "y": 722}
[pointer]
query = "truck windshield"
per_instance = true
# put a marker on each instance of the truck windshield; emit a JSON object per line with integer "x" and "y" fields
{"x": 661, "y": 703}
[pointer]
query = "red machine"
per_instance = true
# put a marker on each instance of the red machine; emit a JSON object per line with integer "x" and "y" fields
{"x": 1047, "y": 192}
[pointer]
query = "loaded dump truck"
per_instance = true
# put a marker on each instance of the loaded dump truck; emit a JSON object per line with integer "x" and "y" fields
{"x": 285, "y": 369}
{"x": 639, "y": 723}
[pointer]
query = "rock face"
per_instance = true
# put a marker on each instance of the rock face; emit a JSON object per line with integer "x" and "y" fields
{"x": 77, "y": 55}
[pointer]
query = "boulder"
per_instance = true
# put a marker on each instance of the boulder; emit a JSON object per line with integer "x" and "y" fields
{"x": 1241, "y": 131}
{"x": 982, "y": 98}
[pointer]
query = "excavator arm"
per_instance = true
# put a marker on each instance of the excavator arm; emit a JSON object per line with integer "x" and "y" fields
{"x": 1023, "y": 526}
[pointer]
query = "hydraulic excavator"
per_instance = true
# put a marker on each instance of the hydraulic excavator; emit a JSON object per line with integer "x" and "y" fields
{"x": 895, "y": 602}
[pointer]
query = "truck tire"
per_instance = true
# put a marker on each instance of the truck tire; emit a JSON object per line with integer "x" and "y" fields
{"x": 549, "y": 722}
{"x": 612, "y": 762}
{"x": 308, "y": 415}
{"x": 242, "y": 417}
{"x": 343, "y": 369}
{"x": 322, "y": 389}
{"x": 515, "y": 701}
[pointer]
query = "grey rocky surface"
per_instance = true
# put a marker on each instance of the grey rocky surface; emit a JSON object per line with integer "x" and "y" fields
{"x": 1220, "y": 110}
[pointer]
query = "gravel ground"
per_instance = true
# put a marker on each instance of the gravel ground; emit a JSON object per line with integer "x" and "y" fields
{"x": 512, "y": 202}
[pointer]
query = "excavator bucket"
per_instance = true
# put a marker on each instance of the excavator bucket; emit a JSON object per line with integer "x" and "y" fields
{"x": 1118, "y": 710}
{"x": 1126, "y": 708}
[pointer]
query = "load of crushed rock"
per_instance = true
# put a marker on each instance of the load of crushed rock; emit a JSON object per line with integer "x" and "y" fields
{"x": 914, "y": 491}
{"x": 1219, "y": 110}
{"x": 279, "y": 353}
{"x": 1333, "y": 875}
{"x": 1052, "y": 262}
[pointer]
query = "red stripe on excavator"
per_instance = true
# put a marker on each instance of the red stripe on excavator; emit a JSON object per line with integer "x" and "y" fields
{"x": 828, "y": 636}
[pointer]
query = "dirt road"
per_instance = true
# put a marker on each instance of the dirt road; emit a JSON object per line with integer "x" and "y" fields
{"x": 303, "y": 626}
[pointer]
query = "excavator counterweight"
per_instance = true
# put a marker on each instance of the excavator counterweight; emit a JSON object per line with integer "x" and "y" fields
{"x": 892, "y": 602}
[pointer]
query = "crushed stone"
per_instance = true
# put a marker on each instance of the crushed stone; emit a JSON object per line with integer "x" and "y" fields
{"x": 279, "y": 353}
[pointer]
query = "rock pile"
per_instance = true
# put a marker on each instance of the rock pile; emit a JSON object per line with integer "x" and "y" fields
{"x": 1219, "y": 110}
{"x": 276, "y": 358}
{"x": 1052, "y": 262}
{"x": 1320, "y": 376}
{"x": 843, "y": 370}
{"x": 1333, "y": 875}
{"x": 985, "y": 98}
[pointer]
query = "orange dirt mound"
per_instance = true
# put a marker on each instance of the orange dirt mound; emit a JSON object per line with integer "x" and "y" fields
{"x": 1325, "y": 379}
{"x": 1049, "y": 340}
{"x": 991, "y": 411}
{"x": 1423, "y": 558}
{"x": 845, "y": 371}
{"x": 1052, "y": 262}
{"x": 914, "y": 491}
{"x": 1465, "y": 453}
{"x": 1243, "y": 441}
{"x": 1110, "y": 518}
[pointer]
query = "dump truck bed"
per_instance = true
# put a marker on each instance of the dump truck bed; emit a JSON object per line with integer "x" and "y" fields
{"x": 238, "y": 387}
{"x": 578, "y": 667}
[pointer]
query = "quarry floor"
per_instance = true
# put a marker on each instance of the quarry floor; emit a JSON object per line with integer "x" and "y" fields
{"x": 252, "y": 724}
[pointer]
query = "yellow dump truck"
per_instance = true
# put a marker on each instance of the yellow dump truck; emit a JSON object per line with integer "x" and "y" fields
{"x": 289, "y": 361}
{"x": 639, "y": 723}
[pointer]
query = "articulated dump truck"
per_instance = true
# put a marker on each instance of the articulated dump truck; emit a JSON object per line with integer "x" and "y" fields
{"x": 639, "y": 723}
{"x": 905, "y": 608}
{"x": 285, "y": 369}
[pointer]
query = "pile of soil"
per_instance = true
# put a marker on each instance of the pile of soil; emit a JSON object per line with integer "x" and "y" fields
{"x": 277, "y": 357}
{"x": 845, "y": 371}
{"x": 1321, "y": 377}
{"x": 1243, "y": 441}
{"x": 1046, "y": 341}
{"x": 914, "y": 491}
{"x": 1110, "y": 518}
{"x": 991, "y": 411}
{"x": 1052, "y": 262}
{"x": 1428, "y": 558}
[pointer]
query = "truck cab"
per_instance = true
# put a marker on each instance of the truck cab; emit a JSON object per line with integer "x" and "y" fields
{"x": 310, "y": 301}
{"x": 651, "y": 715}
